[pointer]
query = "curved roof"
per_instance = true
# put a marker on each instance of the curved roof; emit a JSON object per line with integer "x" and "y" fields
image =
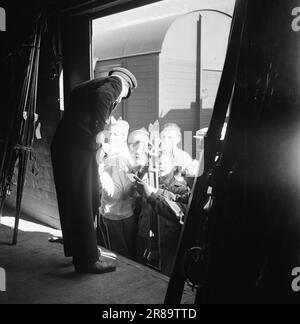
{"x": 143, "y": 38}
{"x": 174, "y": 36}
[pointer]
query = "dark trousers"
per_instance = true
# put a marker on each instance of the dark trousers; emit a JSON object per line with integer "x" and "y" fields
{"x": 122, "y": 236}
{"x": 75, "y": 174}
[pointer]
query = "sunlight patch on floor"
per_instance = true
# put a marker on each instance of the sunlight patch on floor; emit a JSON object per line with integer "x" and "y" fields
{"x": 27, "y": 226}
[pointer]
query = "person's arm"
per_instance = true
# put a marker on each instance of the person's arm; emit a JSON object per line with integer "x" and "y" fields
{"x": 107, "y": 184}
{"x": 167, "y": 208}
{"x": 111, "y": 182}
{"x": 104, "y": 98}
{"x": 166, "y": 194}
{"x": 164, "y": 201}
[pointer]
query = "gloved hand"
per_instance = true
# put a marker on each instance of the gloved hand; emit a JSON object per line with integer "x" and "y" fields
{"x": 143, "y": 188}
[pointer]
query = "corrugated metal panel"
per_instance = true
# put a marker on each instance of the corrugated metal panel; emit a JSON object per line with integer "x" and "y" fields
{"x": 142, "y": 107}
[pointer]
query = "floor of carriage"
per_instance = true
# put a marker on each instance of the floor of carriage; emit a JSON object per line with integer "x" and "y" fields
{"x": 37, "y": 272}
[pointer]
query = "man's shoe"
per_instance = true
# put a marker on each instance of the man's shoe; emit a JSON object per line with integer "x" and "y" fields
{"x": 55, "y": 239}
{"x": 98, "y": 267}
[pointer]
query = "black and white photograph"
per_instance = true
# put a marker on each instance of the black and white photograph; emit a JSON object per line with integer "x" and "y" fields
{"x": 149, "y": 155}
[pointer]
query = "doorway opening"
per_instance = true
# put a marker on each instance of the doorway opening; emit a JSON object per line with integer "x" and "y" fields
{"x": 176, "y": 51}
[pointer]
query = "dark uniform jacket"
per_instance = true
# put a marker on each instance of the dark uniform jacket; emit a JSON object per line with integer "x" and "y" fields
{"x": 75, "y": 169}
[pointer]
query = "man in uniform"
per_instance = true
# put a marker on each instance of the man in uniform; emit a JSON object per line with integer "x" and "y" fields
{"x": 75, "y": 168}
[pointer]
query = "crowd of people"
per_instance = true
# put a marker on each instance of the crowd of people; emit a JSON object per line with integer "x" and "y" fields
{"x": 139, "y": 180}
{"x": 143, "y": 204}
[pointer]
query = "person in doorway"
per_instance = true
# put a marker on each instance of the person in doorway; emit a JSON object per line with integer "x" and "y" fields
{"x": 138, "y": 144}
{"x": 171, "y": 137}
{"x": 75, "y": 169}
{"x": 169, "y": 204}
{"x": 117, "y": 188}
